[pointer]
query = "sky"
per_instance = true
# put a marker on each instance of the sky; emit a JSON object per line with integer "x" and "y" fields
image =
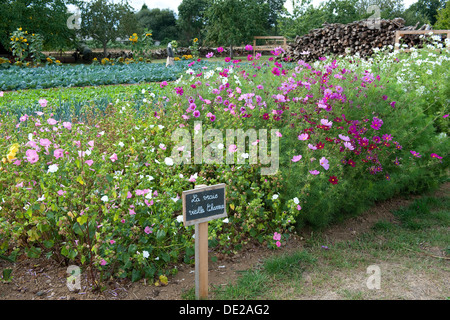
{"x": 173, "y": 4}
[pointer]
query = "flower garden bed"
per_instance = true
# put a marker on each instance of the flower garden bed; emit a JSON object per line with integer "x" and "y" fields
{"x": 96, "y": 185}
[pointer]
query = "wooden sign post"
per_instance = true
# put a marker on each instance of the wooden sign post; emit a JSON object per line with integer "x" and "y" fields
{"x": 200, "y": 205}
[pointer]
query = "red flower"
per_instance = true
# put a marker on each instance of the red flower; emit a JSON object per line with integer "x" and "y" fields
{"x": 320, "y": 145}
{"x": 333, "y": 180}
{"x": 265, "y": 116}
{"x": 351, "y": 162}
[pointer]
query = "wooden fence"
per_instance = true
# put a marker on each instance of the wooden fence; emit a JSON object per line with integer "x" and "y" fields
{"x": 280, "y": 41}
{"x": 399, "y": 33}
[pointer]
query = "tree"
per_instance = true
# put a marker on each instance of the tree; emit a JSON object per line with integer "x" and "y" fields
{"x": 45, "y": 17}
{"x": 443, "y": 18}
{"x": 226, "y": 24}
{"x": 389, "y": 9}
{"x": 276, "y": 8}
{"x": 191, "y": 19}
{"x": 429, "y": 8}
{"x": 105, "y": 21}
{"x": 303, "y": 19}
{"x": 161, "y": 22}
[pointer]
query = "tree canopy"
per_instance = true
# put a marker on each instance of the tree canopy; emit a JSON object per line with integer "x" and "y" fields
{"x": 46, "y": 17}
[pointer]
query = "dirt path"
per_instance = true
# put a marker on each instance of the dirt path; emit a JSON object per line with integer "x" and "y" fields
{"x": 43, "y": 279}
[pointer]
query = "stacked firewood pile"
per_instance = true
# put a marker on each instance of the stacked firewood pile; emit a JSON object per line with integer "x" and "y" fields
{"x": 357, "y": 37}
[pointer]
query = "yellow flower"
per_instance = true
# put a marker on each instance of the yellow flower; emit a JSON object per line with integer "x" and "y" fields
{"x": 49, "y": 60}
{"x": 11, "y": 156}
{"x": 57, "y": 61}
{"x": 195, "y": 40}
{"x": 20, "y": 29}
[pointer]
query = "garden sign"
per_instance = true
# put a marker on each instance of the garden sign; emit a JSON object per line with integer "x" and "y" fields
{"x": 200, "y": 205}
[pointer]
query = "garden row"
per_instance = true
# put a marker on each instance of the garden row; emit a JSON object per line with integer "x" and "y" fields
{"x": 104, "y": 193}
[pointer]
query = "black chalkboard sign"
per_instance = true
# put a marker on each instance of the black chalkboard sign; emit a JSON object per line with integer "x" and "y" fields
{"x": 203, "y": 204}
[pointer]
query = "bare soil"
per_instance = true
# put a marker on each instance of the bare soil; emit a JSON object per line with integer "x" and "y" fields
{"x": 42, "y": 279}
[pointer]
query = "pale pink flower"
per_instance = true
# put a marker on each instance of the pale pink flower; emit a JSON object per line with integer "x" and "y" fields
{"x": 67, "y": 125}
{"x": 32, "y": 156}
{"x": 148, "y": 230}
{"x": 324, "y": 163}
{"x": 43, "y": 103}
{"x": 113, "y": 157}
{"x": 232, "y": 148}
{"x": 296, "y": 158}
{"x": 91, "y": 143}
{"x": 58, "y": 153}
{"x": 103, "y": 262}
{"x": 52, "y": 121}
{"x": 89, "y": 162}
{"x": 44, "y": 142}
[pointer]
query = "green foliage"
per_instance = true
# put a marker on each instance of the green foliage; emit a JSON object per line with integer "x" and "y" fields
{"x": 162, "y": 22}
{"x": 443, "y": 18}
{"x": 47, "y": 18}
{"x": 191, "y": 19}
{"x": 105, "y": 21}
{"x": 226, "y": 25}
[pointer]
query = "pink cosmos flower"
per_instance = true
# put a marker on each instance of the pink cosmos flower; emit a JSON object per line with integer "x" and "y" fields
{"x": 103, "y": 262}
{"x": 299, "y": 207}
{"x": 296, "y": 158}
{"x": 219, "y": 49}
{"x": 276, "y": 71}
{"x": 276, "y": 236}
{"x": 112, "y": 241}
{"x": 435, "y": 155}
{"x": 131, "y": 211}
{"x": 210, "y": 55}
{"x": 52, "y": 121}
{"x": 249, "y": 47}
{"x": 43, "y": 102}
{"x": 325, "y": 122}
{"x": 44, "y": 142}
{"x": 67, "y": 125}
{"x": 148, "y": 230}
{"x": 1, "y": 93}
{"x": 314, "y": 172}
{"x": 32, "y": 156}
{"x": 445, "y": 116}
{"x": 89, "y": 162}
{"x": 61, "y": 192}
{"x": 232, "y": 148}
{"x": 113, "y": 157}
{"x": 91, "y": 143}
{"x": 163, "y": 84}
{"x": 278, "y": 244}
{"x": 58, "y": 153}
{"x": 303, "y": 136}
{"x": 348, "y": 145}
{"x": 324, "y": 163}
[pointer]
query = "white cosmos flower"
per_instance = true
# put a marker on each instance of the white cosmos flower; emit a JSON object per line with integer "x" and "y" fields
{"x": 168, "y": 161}
{"x": 41, "y": 198}
{"x": 180, "y": 218}
{"x": 296, "y": 201}
{"x": 121, "y": 144}
{"x": 275, "y": 196}
{"x": 52, "y": 168}
{"x": 220, "y": 146}
{"x": 104, "y": 199}
{"x": 145, "y": 254}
